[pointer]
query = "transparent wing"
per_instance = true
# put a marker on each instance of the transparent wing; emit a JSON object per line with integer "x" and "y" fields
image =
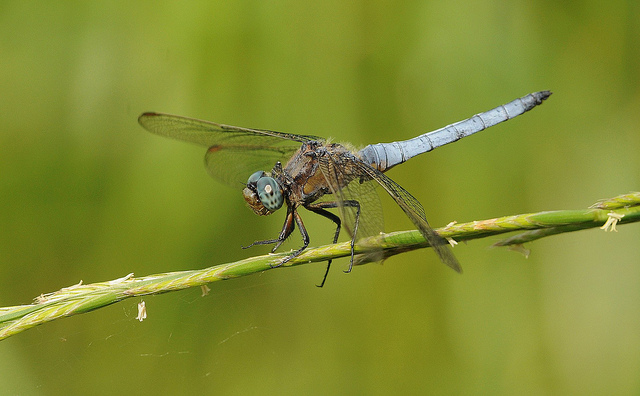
{"x": 234, "y": 152}
{"x": 232, "y": 165}
{"x": 348, "y": 183}
{"x": 371, "y": 216}
{"x": 414, "y": 210}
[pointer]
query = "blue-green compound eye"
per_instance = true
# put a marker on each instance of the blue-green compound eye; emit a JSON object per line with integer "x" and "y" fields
{"x": 253, "y": 179}
{"x": 269, "y": 193}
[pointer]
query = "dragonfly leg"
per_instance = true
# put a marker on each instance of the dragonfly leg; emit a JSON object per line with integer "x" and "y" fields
{"x": 330, "y": 205}
{"x": 318, "y": 209}
{"x": 287, "y": 229}
{"x": 356, "y": 205}
{"x": 290, "y": 222}
{"x": 305, "y": 239}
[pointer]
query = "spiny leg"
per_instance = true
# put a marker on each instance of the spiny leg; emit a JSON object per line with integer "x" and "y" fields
{"x": 336, "y": 219}
{"x": 318, "y": 209}
{"x": 291, "y": 220}
{"x": 287, "y": 229}
{"x": 355, "y": 204}
{"x": 305, "y": 239}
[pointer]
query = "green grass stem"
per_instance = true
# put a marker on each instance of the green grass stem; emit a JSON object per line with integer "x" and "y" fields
{"x": 80, "y": 298}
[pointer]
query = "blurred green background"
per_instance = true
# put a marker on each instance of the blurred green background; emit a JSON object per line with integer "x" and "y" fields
{"x": 87, "y": 194}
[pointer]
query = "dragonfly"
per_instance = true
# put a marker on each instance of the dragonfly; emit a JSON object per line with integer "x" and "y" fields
{"x": 276, "y": 169}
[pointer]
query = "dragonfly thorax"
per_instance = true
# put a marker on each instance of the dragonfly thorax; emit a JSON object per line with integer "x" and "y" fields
{"x": 263, "y": 194}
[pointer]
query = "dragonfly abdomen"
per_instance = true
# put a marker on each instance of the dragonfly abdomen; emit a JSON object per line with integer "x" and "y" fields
{"x": 383, "y": 156}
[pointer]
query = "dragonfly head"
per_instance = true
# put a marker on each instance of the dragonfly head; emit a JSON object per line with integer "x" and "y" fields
{"x": 263, "y": 194}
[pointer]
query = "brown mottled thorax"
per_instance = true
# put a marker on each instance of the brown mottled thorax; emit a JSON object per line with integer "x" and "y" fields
{"x": 307, "y": 182}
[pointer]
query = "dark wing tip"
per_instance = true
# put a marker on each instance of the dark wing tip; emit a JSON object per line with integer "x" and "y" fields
{"x": 148, "y": 120}
{"x": 447, "y": 257}
{"x": 146, "y": 115}
{"x": 456, "y": 266}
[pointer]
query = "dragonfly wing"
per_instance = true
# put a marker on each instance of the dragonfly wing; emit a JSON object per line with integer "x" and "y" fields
{"x": 234, "y": 152}
{"x": 233, "y": 164}
{"x": 207, "y": 133}
{"x": 347, "y": 184}
{"x": 414, "y": 210}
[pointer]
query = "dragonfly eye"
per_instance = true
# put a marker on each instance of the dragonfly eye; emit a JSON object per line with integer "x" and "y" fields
{"x": 253, "y": 179}
{"x": 269, "y": 193}
{"x": 263, "y": 194}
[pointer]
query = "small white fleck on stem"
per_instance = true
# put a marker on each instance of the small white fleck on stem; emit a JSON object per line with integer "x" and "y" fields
{"x": 142, "y": 311}
{"x": 612, "y": 221}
